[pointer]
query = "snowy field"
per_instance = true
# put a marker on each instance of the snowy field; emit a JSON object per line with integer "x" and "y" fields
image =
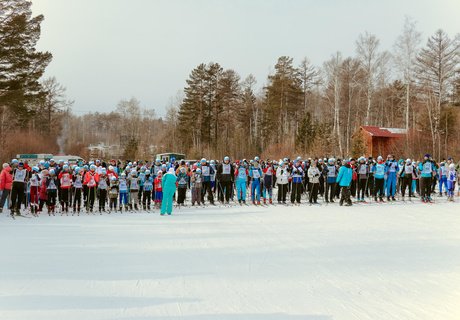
{"x": 308, "y": 263}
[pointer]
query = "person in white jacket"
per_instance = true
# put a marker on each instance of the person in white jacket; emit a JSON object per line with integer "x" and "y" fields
{"x": 282, "y": 179}
{"x": 313, "y": 177}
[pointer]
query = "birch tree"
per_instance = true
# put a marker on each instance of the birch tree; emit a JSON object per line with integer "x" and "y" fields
{"x": 406, "y": 48}
{"x": 437, "y": 65}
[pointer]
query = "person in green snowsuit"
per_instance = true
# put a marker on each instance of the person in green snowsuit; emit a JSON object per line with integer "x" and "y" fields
{"x": 169, "y": 189}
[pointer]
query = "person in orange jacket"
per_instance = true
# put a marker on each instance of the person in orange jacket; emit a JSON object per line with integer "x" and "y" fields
{"x": 91, "y": 180}
{"x": 6, "y": 183}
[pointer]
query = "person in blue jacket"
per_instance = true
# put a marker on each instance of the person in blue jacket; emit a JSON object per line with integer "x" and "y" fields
{"x": 392, "y": 169}
{"x": 168, "y": 185}
{"x": 427, "y": 170}
{"x": 343, "y": 181}
{"x": 241, "y": 178}
{"x": 255, "y": 173}
{"x": 379, "y": 170}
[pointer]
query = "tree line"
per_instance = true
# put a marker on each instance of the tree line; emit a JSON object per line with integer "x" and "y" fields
{"x": 300, "y": 108}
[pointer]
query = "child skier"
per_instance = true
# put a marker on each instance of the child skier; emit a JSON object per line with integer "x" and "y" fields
{"x": 102, "y": 187}
{"x": 451, "y": 179}
{"x": 133, "y": 184}
{"x": 65, "y": 179}
{"x": 158, "y": 189}
{"x": 313, "y": 176}
{"x": 51, "y": 191}
{"x": 363, "y": 172}
{"x": 77, "y": 190}
{"x": 181, "y": 186}
{"x": 196, "y": 184}
{"x": 379, "y": 170}
{"x": 91, "y": 180}
{"x": 147, "y": 193}
{"x": 34, "y": 190}
{"x": 113, "y": 193}
{"x": 255, "y": 173}
{"x": 123, "y": 189}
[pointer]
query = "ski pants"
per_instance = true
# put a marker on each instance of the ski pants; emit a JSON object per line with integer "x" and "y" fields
{"x": 64, "y": 198}
{"x": 123, "y": 198}
{"x": 5, "y": 194}
{"x": 146, "y": 198}
{"x": 407, "y": 183}
{"x": 52, "y": 195}
{"x": 34, "y": 197}
{"x": 282, "y": 191}
{"x": 391, "y": 184}
{"x": 425, "y": 187}
{"x": 90, "y": 198}
{"x": 196, "y": 195}
{"x": 314, "y": 188}
{"x": 166, "y": 205}
{"x": 268, "y": 189}
{"x": 225, "y": 188}
{"x": 76, "y": 198}
{"x": 241, "y": 189}
{"x": 345, "y": 195}
{"x": 330, "y": 191}
{"x": 296, "y": 192}
{"x": 102, "y": 198}
{"x": 181, "y": 194}
{"x": 17, "y": 195}
{"x": 207, "y": 188}
{"x": 255, "y": 190}
{"x": 378, "y": 187}
{"x": 450, "y": 188}
{"x": 443, "y": 181}
{"x": 362, "y": 183}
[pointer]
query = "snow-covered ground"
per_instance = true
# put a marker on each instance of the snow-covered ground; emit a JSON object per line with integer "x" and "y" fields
{"x": 361, "y": 262}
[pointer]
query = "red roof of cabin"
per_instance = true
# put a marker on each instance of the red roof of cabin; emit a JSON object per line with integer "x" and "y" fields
{"x": 384, "y": 132}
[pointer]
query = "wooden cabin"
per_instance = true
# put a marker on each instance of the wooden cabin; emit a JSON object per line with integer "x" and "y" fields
{"x": 382, "y": 141}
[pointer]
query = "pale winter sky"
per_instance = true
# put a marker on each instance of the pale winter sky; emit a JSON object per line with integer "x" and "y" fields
{"x": 107, "y": 50}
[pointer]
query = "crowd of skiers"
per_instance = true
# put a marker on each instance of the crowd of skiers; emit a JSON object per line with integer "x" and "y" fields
{"x": 133, "y": 186}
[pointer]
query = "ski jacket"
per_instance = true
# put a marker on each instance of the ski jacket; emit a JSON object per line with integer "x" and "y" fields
{"x": 6, "y": 179}
{"x": 282, "y": 175}
{"x": 255, "y": 173}
{"x": 65, "y": 179}
{"x": 241, "y": 174}
{"x": 224, "y": 172}
{"x": 379, "y": 170}
{"x": 91, "y": 179}
{"x": 313, "y": 174}
{"x": 345, "y": 176}
{"x": 426, "y": 169}
{"x": 297, "y": 174}
{"x": 330, "y": 171}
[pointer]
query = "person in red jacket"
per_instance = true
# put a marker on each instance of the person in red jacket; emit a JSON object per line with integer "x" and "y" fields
{"x": 65, "y": 183}
{"x": 91, "y": 180}
{"x": 6, "y": 182}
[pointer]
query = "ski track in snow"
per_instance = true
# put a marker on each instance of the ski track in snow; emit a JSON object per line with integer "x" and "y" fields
{"x": 237, "y": 263}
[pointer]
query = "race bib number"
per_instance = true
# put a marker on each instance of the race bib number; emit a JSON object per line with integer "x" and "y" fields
{"x": 205, "y": 170}
{"x": 255, "y": 174}
{"x": 226, "y": 169}
{"x": 331, "y": 172}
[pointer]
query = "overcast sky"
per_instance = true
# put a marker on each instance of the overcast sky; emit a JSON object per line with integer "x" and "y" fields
{"x": 107, "y": 50}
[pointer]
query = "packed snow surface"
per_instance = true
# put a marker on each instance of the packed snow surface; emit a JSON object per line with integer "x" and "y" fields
{"x": 368, "y": 261}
